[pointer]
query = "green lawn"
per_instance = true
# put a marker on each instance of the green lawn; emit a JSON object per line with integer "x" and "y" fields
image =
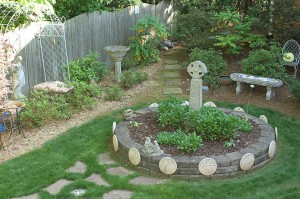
{"x": 38, "y": 169}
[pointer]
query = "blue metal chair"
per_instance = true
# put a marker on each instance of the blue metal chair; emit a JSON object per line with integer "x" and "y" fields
{"x": 3, "y": 126}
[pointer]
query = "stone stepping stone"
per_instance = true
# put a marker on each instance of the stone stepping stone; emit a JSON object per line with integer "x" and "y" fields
{"x": 167, "y": 91}
{"x": 172, "y": 82}
{"x": 142, "y": 180}
{"x": 97, "y": 179}
{"x": 170, "y": 61}
{"x": 119, "y": 171}
{"x": 104, "y": 158}
{"x": 79, "y": 167}
{"x": 33, "y": 196}
{"x": 57, "y": 186}
{"x": 118, "y": 194}
{"x": 172, "y": 74}
{"x": 173, "y": 67}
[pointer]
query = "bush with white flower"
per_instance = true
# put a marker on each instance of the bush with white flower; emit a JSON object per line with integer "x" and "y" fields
{"x": 6, "y": 56}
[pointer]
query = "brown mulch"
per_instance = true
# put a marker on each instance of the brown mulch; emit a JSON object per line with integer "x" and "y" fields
{"x": 149, "y": 127}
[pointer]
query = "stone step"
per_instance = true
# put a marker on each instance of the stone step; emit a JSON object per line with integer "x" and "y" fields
{"x": 172, "y": 74}
{"x": 170, "y": 61}
{"x": 168, "y": 90}
{"x": 172, "y": 82}
{"x": 173, "y": 67}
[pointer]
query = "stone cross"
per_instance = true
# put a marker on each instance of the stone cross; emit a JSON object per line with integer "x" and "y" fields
{"x": 196, "y": 70}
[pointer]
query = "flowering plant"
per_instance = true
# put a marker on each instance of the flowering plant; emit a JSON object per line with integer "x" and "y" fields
{"x": 6, "y": 55}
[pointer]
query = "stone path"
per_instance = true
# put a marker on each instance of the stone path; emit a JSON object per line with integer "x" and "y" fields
{"x": 103, "y": 159}
{"x": 172, "y": 76}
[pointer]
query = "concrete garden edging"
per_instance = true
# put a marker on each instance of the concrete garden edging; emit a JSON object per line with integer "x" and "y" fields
{"x": 183, "y": 167}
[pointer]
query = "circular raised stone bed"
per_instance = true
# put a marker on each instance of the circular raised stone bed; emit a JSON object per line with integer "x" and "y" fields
{"x": 184, "y": 167}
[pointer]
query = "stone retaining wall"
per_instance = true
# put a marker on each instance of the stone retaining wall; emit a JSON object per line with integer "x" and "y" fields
{"x": 184, "y": 167}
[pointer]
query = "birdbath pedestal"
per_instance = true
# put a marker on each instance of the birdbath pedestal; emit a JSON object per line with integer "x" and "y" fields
{"x": 117, "y": 53}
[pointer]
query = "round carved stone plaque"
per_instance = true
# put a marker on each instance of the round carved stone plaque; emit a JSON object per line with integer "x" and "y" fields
{"x": 115, "y": 143}
{"x": 276, "y": 133}
{"x": 247, "y": 161}
{"x": 167, "y": 165}
{"x": 263, "y": 118}
{"x": 134, "y": 156}
{"x": 272, "y": 149}
{"x": 207, "y": 166}
{"x": 114, "y": 127}
{"x": 239, "y": 109}
{"x": 210, "y": 104}
{"x": 197, "y": 69}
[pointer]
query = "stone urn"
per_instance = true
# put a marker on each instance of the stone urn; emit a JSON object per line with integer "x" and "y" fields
{"x": 117, "y": 53}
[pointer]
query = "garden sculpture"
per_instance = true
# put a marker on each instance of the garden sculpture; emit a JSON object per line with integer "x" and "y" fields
{"x": 152, "y": 149}
{"x": 117, "y": 53}
{"x": 196, "y": 70}
{"x": 18, "y": 79}
{"x": 290, "y": 55}
{"x": 128, "y": 115}
{"x": 3, "y": 126}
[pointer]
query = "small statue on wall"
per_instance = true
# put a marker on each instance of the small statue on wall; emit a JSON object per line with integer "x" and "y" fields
{"x": 18, "y": 79}
{"x": 152, "y": 149}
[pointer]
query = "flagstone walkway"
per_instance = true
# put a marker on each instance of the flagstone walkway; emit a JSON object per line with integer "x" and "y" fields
{"x": 172, "y": 74}
{"x": 96, "y": 178}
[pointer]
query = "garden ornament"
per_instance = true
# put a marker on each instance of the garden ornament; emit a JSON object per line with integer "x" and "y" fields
{"x": 196, "y": 70}
{"x": 128, "y": 115}
{"x": 152, "y": 149}
{"x": 18, "y": 79}
{"x": 290, "y": 55}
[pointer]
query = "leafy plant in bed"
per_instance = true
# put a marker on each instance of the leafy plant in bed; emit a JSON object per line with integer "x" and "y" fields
{"x": 192, "y": 126}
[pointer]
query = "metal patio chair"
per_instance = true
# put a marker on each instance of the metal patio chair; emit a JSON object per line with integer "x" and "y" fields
{"x": 291, "y": 46}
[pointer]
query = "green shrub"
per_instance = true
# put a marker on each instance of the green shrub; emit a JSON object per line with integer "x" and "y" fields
{"x": 83, "y": 96}
{"x": 233, "y": 30}
{"x": 214, "y": 62}
{"x": 171, "y": 113}
{"x": 42, "y": 106}
{"x": 186, "y": 143}
{"x": 209, "y": 123}
{"x": 113, "y": 94}
{"x": 263, "y": 63}
{"x": 191, "y": 143}
{"x": 294, "y": 87}
{"x": 86, "y": 69}
{"x": 194, "y": 28}
{"x": 130, "y": 78}
{"x": 145, "y": 44}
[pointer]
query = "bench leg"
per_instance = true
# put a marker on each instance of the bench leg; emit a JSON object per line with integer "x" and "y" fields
{"x": 270, "y": 93}
{"x": 239, "y": 87}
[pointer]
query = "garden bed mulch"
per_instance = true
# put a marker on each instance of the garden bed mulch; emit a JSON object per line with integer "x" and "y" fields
{"x": 149, "y": 127}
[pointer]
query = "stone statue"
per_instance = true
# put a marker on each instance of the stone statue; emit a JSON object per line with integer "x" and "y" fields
{"x": 128, "y": 115}
{"x": 196, "y": 70}
{"x": 152, "y": 149}
{"x": 18, "y": 79}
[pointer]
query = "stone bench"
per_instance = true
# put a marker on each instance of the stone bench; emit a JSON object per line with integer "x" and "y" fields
{"x": 270, "y": 83}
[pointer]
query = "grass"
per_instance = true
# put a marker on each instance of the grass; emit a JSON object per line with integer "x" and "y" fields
{"x": 38, "y": 169}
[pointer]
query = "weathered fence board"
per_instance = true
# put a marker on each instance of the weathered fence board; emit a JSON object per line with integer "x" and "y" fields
{"x": 89, "y": 32}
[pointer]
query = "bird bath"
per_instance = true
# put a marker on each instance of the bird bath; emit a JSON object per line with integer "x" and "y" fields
{"x": 117, "y": 53}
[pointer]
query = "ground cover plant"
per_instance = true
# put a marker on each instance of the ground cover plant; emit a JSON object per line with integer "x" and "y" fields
{"x": 42, "y": 107}
{"x": 191, "y": 125}
{"x": 44, "y": 166}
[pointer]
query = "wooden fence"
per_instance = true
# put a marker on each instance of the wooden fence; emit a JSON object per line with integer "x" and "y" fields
{"x": 85, "y": 33}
